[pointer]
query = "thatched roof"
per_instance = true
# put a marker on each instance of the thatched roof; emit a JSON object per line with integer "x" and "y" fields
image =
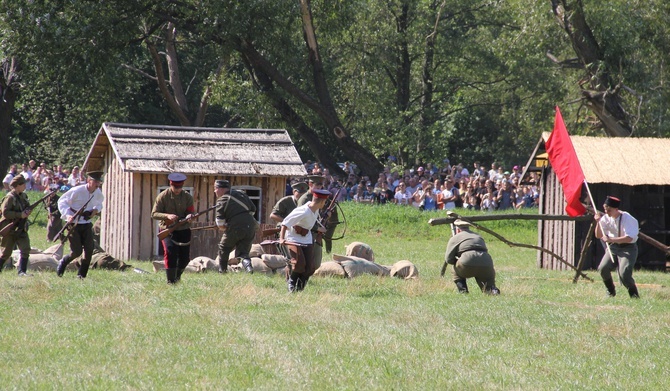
{"x": 191, "y": 150}
{"x": 628, "y": 161}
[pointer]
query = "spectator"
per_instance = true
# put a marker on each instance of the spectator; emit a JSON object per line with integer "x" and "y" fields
{"x": 385, "y": 195}
{"x": 348, "y": 169}
{"x": 75, "y": 178}
{"x": 449, "y": 195}
{"x": 446, "y": 170}
{"x": 27, "y": 173}
{"x": 505, "y": 197}
{"x": 10, "y": 175}
{"x": 493, "y": 172}
{"x": 402, "y": 194}
{"x": 424, "y": 197}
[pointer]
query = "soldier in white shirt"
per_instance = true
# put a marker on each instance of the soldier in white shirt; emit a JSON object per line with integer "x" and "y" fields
{"x": 619, "y": 230}
{"x": 90, "y": 198}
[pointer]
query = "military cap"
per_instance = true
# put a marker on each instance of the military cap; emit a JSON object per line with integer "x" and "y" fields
{"x": 18, "y": 181}
{"x": 315, "y": 178}
{"x": 462, "y": 224}
{"x": 612, "y": 202}
{"x": 222, "y": 184}
{"x": 320, "y": 193}
{"x": 300, "y": 187}
{"x": 176, "y": 177}
{"x": 96, "y": 175}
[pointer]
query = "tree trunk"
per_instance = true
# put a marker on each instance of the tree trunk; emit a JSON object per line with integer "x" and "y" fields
{"x": 603, "y": 98}
{"x": 323, "y": 106}
{"x": 321, "y": 151}
{"x": 10, "y": 69}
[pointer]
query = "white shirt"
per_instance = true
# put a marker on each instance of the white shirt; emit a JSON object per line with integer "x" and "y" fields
{"x": 403, "y": 197}
{"x": 301, "y": 216}
{"x": 448, "y": 193}
{"x": 624, "y": 225}
{"x": 8, "y": 179}
{"x": 29, "y": 179}
{"x": 70, "y": 202}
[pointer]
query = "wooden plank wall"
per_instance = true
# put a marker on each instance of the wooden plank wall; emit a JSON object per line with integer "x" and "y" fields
{"x": 556, "y": 236}
{"x": 128, "y": 232}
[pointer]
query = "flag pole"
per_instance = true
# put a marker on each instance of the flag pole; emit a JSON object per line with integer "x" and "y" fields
{"x": 595, "y": 211}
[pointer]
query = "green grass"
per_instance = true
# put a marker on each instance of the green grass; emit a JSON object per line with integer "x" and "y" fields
{"x": 131, "y": 331}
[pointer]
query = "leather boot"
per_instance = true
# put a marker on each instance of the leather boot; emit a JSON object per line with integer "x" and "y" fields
{"x": 300, "y": 284}
{"x": 632, "y": 291}
{"x": 23, "y": 266}
{"x": 246, "y": 262}
{"x": 462, "y": 286}
{"x": 611, "y": 290}
{"x": 2, "y": 264}
{"x": 83, "y": 268}
{"x": 493, "y": 291}
{"x": 171, "y": 274}
{"x": 62, "y": 265}
{"x": 223, "y": 267}
{"x": 179, "y": 273}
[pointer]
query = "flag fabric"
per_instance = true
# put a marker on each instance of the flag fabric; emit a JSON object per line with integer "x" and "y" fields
{"x": 565, "y": 164}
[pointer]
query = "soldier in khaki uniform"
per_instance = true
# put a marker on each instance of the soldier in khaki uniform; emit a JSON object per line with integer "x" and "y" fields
{"x": 174, "y": 204}
{"x": 467, "y": 251}
{"x": 15, "y": 207}
{"x": 235, "y": 217}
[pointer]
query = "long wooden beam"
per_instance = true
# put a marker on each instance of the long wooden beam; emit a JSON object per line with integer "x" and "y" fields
{"x": 450, "y": 220}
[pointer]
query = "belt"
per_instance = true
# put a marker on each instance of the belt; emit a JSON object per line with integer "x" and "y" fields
{"x": 623, "y": 244}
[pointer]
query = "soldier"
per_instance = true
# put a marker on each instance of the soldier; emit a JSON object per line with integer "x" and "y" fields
{"x": 296, "y": 235}
{"x": 90, "y": 198}
{"x": 235, "y": 217}
{"x": 286, "y": 205}
{"x": 316, "y": 183}
{"x": 15, "y": 207}
{"x": 54, "y": 223}
{"x": 467, "y": 251}
{"x": 171, "y": 205}
{"x": 619, "y": 230}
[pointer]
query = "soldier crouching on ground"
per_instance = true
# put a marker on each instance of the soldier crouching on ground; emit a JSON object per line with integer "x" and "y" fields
{"x": 15, "y": 207}
{"x": 468, "y": 253}
{"x": 296, "y": 235}
{"x": 174, "y": 204}
{"x": 235, "y": 217}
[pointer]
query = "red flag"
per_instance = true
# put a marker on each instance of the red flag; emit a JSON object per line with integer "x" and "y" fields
{"x": 564, "y": 161}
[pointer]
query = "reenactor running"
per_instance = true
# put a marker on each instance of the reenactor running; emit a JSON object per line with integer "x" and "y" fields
{"x": 15, "y": 206}
{"x": 235, "y": 217}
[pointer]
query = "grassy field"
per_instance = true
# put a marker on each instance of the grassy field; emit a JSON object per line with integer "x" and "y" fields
{"x": 126, "y": 330}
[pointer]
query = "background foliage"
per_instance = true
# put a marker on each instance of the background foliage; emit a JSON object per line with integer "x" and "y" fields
{"x": 419, "y": 80}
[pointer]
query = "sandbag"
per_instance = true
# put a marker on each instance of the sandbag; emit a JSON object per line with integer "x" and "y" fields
{"x": 354, "y": 266}
{"x": 56, "y": 250}
{"x": 274, "y": 261}
{"x": 201, "y": 264}
{"x": 361, "y": 250}
{"x": 42, "y": 262}
{"x": 404, "y": 269}
{"x": 159, "y": 266}
{"x": 330, "y": 269}
{"x": 259, "y": 266}
{"x": 256, "y": 250}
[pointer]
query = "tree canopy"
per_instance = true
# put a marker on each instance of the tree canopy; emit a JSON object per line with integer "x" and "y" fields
{"x": 351, "y": 80}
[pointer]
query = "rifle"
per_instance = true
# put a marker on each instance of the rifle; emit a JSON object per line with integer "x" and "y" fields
{"x": 5, "y": 230}
{"x": 71, "y": 224}
{"x": 169, "y": 229}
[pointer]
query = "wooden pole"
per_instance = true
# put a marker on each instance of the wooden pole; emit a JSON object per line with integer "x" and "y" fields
{"x": 450, "y": 220}
{"x": 585, "y": 249}
{"x": 512, "y": 244}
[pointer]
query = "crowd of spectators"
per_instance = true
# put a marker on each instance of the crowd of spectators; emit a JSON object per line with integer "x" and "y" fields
{"x": 41, "y": 178}
{"x": 432, "y": 187}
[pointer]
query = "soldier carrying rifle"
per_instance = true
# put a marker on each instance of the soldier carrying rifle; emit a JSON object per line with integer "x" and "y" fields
{"x": 15, "y": 206}
{"x": 173, "y": 205}
{"x": 77, "y": 206}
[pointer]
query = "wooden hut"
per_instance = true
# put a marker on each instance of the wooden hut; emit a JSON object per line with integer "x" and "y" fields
{"x": 137, "y": 158}
{"x": 634, "y": 169}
